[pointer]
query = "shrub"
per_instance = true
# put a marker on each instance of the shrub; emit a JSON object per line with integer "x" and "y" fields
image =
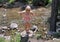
{"x": 56, "y": 35}
{"x": 40, "y": 2}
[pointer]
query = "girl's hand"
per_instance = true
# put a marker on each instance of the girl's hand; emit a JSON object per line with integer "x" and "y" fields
{"x": 19, "y": 12}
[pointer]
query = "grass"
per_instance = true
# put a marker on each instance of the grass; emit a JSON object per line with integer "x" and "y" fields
{"x": 2, "y": 39}
{"x": 14, "y": 38}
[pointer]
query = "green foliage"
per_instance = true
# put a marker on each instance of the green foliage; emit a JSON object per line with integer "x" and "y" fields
{"x": 41, "y": 2}
{"x": 2, "y": 39}
{"x": 56, "y": 35}
{"x": 50, "y": 0}
{"x": 38, "y": 36}
{"x": 34, "y": 2}
{"x": 1, "y": 1}
{"x": 11, "y": 1}
{"x": 26, "y": 1}
{"x": 17, "y": 37}
{"x": 12, "y": 36}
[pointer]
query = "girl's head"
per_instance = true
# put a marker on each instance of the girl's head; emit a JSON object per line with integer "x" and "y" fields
{"x": 28, "y": 8}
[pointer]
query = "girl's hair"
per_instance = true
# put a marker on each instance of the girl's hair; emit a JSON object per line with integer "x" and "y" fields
{"x": 28, "y": 7}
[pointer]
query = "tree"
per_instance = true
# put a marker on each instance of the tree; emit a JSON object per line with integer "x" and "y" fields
{"x": 54, "y": 13}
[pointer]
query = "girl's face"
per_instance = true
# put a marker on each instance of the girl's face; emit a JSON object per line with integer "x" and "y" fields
{"x": 28, "y": 10}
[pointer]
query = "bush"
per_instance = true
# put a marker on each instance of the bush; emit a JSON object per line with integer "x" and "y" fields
{"x": 3, "y": 1}
{"x": 40, "y": 2}
{"x": 56, "y": 35}
{"x": 22, "y": 1}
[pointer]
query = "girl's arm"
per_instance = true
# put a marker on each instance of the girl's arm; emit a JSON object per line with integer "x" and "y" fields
{"x": 33, "y": 15}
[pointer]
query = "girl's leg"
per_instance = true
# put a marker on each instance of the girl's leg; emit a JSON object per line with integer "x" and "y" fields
{"x": 27, "y": 25}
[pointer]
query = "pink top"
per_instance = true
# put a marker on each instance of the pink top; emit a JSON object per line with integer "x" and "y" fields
{"x": 27, "y": 18}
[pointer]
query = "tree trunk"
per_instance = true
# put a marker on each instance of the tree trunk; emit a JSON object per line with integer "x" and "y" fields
{"x": 54, "y": 13}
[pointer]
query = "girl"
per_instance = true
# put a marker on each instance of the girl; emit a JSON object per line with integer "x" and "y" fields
{"x": 27, "y": 16}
